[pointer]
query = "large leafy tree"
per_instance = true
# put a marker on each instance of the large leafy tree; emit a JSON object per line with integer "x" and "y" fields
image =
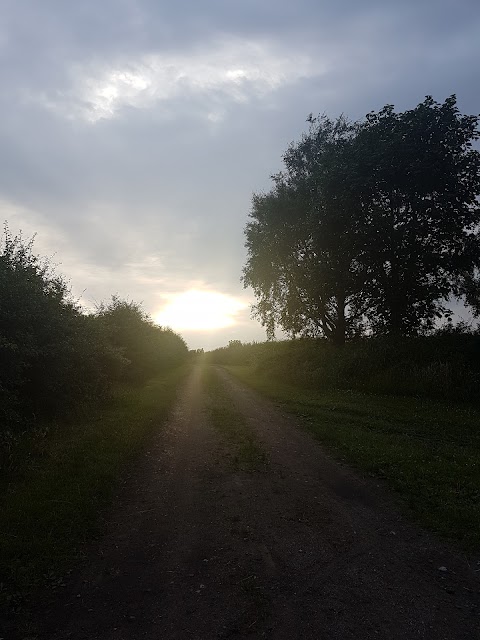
{"x": 419, "y": 183}
{"x": 304, "y": 237}
{"x": 370, "y": 223}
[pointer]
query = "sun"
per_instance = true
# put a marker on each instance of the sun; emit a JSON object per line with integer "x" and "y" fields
{"x": 198, "y": 310}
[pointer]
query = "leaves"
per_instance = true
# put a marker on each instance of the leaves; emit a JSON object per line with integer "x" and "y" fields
{"x": 370, "y": 226}
{"x": 53, "y": 356}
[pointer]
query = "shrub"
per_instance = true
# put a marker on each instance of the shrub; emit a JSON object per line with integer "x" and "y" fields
{"x": 54, "y": 357}
{"x": 443, "y": 365}
{"x": 146, "y": 348}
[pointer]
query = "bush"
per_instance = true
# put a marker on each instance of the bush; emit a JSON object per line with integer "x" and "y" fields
{"x": 54, "y": 357}
{"x": 146, "y": 348}
{"x": 443, "y": 365}
{"x": 49, "y": 356}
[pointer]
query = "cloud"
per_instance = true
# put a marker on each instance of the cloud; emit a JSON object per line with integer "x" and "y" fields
{"x": 233, "y": 70}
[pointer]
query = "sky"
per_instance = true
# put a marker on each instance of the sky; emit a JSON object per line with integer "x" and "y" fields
{"x": 134, "y": 132}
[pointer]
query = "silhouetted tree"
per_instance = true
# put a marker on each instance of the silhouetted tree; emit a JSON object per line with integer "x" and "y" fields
{"x": 420, "y": 179}
{"x": 304, "y": 238}
{"x": 372, "y": 223}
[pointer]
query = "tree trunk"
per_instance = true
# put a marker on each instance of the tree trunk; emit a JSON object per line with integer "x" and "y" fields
{"x": 341, "y": 325}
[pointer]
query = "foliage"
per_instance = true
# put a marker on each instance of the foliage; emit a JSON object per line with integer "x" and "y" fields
{"x": 53, "y": 356}
{"x": 445, "y": 365}
{"x": 419, "y": 186}
{"x": 371, "y": 227}
{"x": 60, "y": 451}
{"x": 145, "y": 347}
{"x": 302, "y": 243}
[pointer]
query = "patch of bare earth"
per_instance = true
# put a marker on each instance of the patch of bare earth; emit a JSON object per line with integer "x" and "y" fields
{"x": 303, "y": 548}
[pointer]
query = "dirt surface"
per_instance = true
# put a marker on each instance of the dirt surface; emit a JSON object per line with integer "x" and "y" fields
{"x": 195, "y": 548}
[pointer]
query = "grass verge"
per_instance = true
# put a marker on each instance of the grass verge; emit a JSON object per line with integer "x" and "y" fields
{"x": 50, "y": 506}
{"x": 247, "y": 453}
{"x": 427, "y": 451}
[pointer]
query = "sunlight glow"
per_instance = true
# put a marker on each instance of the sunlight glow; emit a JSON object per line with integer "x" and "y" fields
{"x": 197, "y": 310}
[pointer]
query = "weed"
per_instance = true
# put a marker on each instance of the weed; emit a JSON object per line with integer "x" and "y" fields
{"x": 248, "y": 454}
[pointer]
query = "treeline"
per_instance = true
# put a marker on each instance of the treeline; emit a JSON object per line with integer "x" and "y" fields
{"x": 444, "y": 365}
{"x": 54, "y": 357}
{"x": 372, "y": 227}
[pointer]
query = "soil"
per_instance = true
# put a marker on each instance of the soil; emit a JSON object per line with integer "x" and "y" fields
{"x": 303, "y": 547}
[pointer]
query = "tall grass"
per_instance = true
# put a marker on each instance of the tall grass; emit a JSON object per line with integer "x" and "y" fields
{"x": 444, "y": 366}
{"x": 246, "y": 452}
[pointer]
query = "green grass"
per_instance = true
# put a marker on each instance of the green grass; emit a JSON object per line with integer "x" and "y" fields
{"x": 427, "y": 451}
{"x": 247, "y": 454}
{"x": 50, "y": 505}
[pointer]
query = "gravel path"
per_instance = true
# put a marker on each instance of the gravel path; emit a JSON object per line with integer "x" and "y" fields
{"x": 303, "y": 548}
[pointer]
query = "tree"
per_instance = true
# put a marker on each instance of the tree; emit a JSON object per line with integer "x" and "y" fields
{"x": 420, "y": 178}
{"x": 304, "y": 238}
{"x": 373, "y": 223}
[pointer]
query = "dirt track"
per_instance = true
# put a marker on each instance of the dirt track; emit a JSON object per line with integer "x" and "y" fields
{"x": 300, "y": 549}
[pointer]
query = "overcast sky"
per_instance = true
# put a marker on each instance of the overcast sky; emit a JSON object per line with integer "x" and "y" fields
{"x": 133, "y": 132}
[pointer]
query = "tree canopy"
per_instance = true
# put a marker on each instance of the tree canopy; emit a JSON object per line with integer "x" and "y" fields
{"x": 371, "y": 226}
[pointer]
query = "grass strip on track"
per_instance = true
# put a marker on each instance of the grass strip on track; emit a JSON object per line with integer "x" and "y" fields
{"x": 427, "y": 451}
{"x": 50, "y": 506}
{"x": 247, "y": 454}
